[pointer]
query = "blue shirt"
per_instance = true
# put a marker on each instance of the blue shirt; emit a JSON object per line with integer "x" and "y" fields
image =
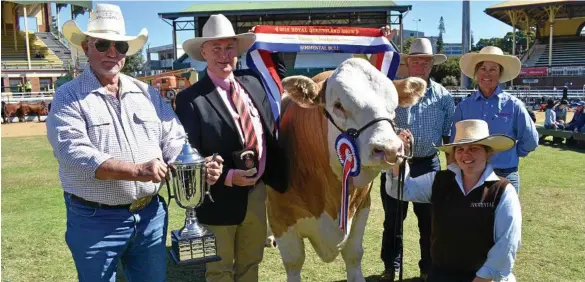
{"x": 428, "y": 120}
{"x": 507, "y": 217}
{"x": 578, "y": 121}
{"x": 504, "y": 114}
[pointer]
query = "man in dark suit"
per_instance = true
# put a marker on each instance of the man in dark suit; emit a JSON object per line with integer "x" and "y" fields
{"x": 229, "y": 113}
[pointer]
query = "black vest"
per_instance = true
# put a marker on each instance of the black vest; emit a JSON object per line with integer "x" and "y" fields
{"x": 463, "y": 226}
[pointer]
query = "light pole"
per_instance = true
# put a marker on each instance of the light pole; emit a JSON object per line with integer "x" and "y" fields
{"x": 417, "y": 21}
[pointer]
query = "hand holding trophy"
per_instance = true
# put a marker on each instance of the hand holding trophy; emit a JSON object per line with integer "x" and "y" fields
{"x": 191, "y": 176}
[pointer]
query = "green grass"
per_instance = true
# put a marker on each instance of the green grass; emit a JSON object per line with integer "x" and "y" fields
{"x": 552, "y": 197}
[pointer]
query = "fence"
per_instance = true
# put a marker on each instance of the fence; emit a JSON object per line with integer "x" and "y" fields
{"x": 27, "y": 96}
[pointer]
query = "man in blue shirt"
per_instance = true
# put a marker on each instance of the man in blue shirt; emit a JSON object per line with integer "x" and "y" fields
{"x": 504, "y": 113}
{"x": 430, "y": 123}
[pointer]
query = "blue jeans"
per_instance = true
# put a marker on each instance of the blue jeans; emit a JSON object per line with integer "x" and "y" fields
{"x": 100, "y": 238}
{"x": 512, "y": 176}
{"x": 392, "y": 234}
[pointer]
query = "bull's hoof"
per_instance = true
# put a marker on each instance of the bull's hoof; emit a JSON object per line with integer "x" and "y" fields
{"x": 270, "y": 242}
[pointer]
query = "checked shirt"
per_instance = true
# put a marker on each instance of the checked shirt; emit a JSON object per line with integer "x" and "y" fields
{"x": 87, "y": 126}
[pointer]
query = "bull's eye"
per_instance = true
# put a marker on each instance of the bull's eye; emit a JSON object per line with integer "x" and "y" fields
{"x": 337, "y": 105}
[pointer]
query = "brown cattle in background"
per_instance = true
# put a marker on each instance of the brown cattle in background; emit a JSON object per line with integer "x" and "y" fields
{"x": 30, "y": 109}
{"x": 10, "y": 110}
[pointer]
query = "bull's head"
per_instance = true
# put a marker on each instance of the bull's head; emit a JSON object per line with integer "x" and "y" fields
{"x": 355, "y": 94}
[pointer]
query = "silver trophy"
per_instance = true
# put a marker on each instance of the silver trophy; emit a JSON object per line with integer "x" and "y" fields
{"x": 193, "y": 243}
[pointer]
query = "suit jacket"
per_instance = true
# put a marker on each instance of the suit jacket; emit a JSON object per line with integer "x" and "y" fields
{"x": 211, "y": 129}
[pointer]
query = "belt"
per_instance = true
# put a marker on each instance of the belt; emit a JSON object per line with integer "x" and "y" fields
{"x": 506, "y": 170}
{"x": 134, "y": 207}
{"x": 419, "y": 159}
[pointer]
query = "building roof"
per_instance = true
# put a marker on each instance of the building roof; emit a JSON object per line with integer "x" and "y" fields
{"x": 536, "y": 10}
{"x": 274, "y": 7}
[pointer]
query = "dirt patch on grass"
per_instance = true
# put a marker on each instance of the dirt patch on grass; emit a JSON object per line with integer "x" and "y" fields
{"x": 22, "y": 129}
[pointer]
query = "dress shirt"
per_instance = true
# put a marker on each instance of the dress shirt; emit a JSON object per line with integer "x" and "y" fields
{"x": 428, "y": 120}
{"x": 87, "y": 126}
{"x": 223, "y": 88}
{"x": 507, "y": 217}
{"x": 504, "y": 114}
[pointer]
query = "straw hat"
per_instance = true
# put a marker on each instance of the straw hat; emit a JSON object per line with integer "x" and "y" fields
{"x": 217, "y": 27}
{"x": 511, "y": 64}
{"x": 422, "y": 47}
{"x": 105, "y": 22}
{"x": 476, "y": 131}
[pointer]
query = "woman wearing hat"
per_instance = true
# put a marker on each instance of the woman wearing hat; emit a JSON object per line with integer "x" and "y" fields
{"x": 504, "y": 113}
{"x": 476, "y": 214}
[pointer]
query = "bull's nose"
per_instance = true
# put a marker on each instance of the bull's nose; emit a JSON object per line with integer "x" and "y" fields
{"x": 386, "y": 152}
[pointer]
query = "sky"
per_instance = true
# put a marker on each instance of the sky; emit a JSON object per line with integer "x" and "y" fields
{"x": 144, "y": 14}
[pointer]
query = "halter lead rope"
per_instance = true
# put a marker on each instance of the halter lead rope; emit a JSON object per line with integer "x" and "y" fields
{"x": 400, "y": 210}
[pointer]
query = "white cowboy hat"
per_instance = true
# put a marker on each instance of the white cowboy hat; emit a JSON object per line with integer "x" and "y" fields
{"x": 105, "y": 22}
{"x": 476, "y": 131}
{"x": 422, "y": 47}
{"x": 217, "y": 27}
{"x": 511, "y": 64}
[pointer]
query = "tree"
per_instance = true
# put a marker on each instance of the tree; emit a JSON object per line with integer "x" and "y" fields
{"x": 449, "y": 81}
{"x": 472, "y": 42}
{"x": 440, "y": 43}
{"x": 407, "y": 43}
{"x": 448, "y": 68}
{"x": 134, "y": 63}
{"x": 54, "y": 27}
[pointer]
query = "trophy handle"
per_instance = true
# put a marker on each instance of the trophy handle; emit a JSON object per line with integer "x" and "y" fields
{"x": 207, "y": 187}
{"x": 168, "y": 182}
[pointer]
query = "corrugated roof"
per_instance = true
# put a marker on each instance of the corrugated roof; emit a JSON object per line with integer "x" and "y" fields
{"x": 535, "y": 10}
{"x": 521, "y": 4}
{"x": 282, "y": 5}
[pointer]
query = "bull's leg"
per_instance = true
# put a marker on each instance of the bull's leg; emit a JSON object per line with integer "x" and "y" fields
{"x": 353, "y": 251}
{"x": 292, "y": 251}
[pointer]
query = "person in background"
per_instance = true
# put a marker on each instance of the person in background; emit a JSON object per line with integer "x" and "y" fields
{"x": 504, "y": 113}
{"x": 550, "y": 119}
{"x": 430, "y": 122}
{"x": 477, "y": 219}
{"x": 577, "y": 124}
{"x": 561, "y": 110}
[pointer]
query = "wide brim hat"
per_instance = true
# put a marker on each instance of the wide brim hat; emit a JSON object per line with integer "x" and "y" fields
{"x": 476, "y": 131}
{"x": 422, "y": 47}
{"x": 510, "y": 64}
{"x": 105, "y": 22}
{"x": 218, "y": 27}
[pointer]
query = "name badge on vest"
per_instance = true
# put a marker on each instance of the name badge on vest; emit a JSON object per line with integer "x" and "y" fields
{"x": 482, "y": 205}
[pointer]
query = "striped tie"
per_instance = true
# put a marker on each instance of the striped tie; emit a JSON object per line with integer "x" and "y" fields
{"x": 246, "y": 125}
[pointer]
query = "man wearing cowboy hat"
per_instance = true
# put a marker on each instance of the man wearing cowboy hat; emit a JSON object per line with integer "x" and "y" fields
{"x": 477, "y": 218}
{"x": 227, "y": 112}
{"x": 430, "y": 123}
{"x": 112, "y": 136}
{"x": 504, "y": 113}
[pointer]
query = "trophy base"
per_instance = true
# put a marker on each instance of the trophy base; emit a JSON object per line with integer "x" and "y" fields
{"x": 193, "y": 250}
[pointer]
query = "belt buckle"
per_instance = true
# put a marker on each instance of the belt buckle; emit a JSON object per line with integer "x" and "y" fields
{"x": 140, "y": 204}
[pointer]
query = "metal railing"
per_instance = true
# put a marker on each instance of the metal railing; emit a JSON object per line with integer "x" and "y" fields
{"x": 17, "y": 97}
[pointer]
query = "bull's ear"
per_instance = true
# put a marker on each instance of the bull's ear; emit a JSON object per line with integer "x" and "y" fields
{"x": 410, "y": 90}
{"x": 302, "y": 90}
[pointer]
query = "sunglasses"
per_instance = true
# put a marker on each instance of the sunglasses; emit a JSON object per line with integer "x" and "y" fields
{"x": 103, "y": 45}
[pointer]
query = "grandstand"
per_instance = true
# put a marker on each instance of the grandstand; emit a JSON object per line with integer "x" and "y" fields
{"x": 557, "y": 58}
{"x": 47, "y": 58}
